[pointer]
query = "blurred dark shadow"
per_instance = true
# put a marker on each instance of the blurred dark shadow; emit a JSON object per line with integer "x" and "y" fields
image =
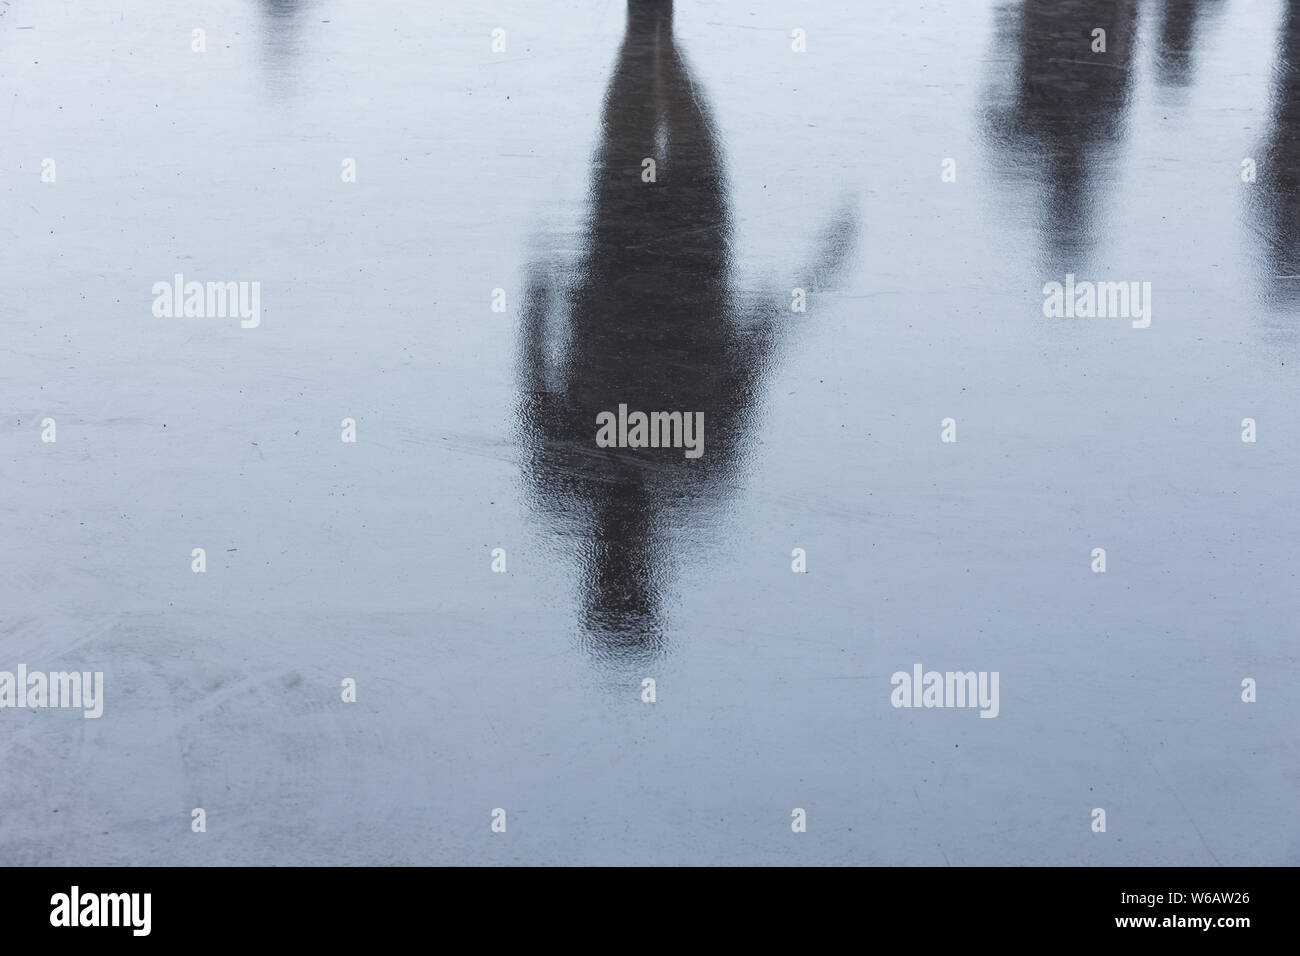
{"x": 281, "y": 24}
{"x": 1275, "y": 196}
{"x": 1056, "y": 113}
{"x": 1182, "y": 23}
{"x": 646, "y": 317}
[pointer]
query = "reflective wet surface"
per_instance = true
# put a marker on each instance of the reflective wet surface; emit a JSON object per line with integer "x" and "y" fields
{"x": 517, "y": 175}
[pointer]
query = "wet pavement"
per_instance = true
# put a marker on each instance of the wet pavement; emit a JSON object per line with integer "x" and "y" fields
{"x": 518, "y": 177}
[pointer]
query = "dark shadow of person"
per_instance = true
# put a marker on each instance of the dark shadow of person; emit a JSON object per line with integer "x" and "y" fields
{"x": 1276, "y": 194}
{"x": 1057, "y": 117}
{"x": 1181, "y": 25}
{"x": 646, "y": 318}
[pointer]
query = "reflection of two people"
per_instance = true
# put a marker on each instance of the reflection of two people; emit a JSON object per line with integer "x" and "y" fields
{"x": 647, "y": 319}
{"x": 1060, "y": 120}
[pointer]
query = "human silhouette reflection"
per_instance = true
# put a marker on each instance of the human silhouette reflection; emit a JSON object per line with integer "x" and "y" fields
{"x": 1276, "y": 194}
{"x": 1058, "y": 118}
{"x": 646, "y": 318}
{"x": 1181, "y": 23}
